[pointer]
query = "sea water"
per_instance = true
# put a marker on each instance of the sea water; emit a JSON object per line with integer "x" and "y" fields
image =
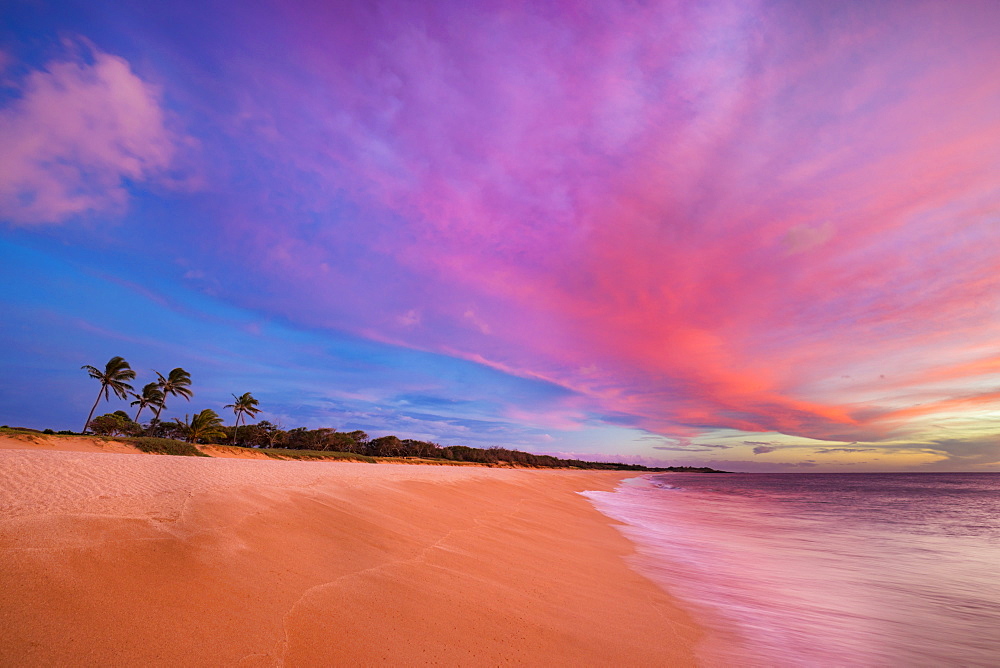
{"x": 877, "y": 569}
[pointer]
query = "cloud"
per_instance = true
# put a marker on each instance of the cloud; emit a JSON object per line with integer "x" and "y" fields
{"x": 81, "y": 130}
{"x": 409, "y": 319}
{"x": 804, "y": 237}
{"x": 694, "y": 447}
{"x": 763, "y": 449}
{"x": 827, "y": 451}
{"x": 479, "y": 324}
{"x": 691, "y": 216}
{"x": 966, "y": 454}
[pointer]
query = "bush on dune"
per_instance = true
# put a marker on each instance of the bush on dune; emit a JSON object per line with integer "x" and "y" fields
{"x": 115, "y": 424}
{"x": 165, "y": 446}
{"x": 314, "y": 455}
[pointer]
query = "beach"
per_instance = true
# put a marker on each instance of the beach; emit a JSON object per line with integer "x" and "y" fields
{"x": 108, "y": 557}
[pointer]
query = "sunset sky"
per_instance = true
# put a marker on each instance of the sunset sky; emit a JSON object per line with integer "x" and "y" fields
{"x": 762, "y": 236}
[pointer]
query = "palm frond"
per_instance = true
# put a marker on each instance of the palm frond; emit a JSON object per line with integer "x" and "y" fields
{"x": 112, "y": 379}
{"x": 205, "y": 425}
{"x": 174, "y": 383}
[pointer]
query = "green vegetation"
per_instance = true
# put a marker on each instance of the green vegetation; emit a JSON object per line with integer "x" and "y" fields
{"x": 175, "y": 383}
{"x": 20, "y": 430}
{"x": 205, "y": 426}
{"x": 115, "y": 424}
{"x": 243, "y": 405}
{"x": 165, "y": 446}
{"x": 178, "y": 437}
{"x": 152, "y": 396}
{"x": 112, "y": 379}
{"x": 281, "y": 453}
{"x": 30, "y": 432}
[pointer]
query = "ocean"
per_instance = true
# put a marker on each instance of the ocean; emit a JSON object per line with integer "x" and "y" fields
{"x": 868, "y": 569}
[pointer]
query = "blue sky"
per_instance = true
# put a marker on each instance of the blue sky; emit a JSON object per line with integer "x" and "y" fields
{"x": 759, "y": 236}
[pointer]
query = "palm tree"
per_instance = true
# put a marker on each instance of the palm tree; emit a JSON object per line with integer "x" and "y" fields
{"x": 112, "y": 379}
{"x": 151, "y": 396}
{"x": 175, "y": 383}
{"x": 245, "y": 404}
{"x": 206, "y": 424}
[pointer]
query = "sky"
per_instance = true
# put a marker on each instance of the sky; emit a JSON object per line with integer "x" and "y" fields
{"x": 760, "y": 236}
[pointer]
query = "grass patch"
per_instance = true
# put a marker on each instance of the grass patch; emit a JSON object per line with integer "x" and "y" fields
{"x": 37, "y": 432}
{"x": 430, "y": 461}
{"x": 164, "y": 446}
{"x": 225, "y": 447}
{"x": 282, "y": 453}
{"x": 19, "y": 430}
{"x": 314, "y": 455}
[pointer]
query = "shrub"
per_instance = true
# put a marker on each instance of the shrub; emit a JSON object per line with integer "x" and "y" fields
{"x": 165, "y": 446}
{"x": 113, "y": 424}
{"x": 277, "y": 453}
{"x": 21, "y": 430}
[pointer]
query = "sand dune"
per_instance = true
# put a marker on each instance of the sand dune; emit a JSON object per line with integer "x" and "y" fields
{"x": 117, "y": 559}
{"x": 64, "y": 443}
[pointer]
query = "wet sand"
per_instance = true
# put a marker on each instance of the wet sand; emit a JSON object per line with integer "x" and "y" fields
{"x": 119, "y": 559}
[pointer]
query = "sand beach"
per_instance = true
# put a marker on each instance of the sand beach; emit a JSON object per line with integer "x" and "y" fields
{"x": 110, "y": 557}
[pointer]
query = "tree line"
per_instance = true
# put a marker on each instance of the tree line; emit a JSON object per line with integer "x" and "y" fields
{"x": 201, "y": 427}
{"x": 206, "y": 427}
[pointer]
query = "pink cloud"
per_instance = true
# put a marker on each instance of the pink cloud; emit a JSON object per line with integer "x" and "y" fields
{"x": 715, "y": 209}
{"x": 79, "y": 131}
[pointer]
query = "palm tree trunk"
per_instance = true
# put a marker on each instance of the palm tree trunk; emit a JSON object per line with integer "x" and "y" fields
{"x": 87, "y": 423}
{"x": 136, "y": 420}
{"x": 236, "y": 427}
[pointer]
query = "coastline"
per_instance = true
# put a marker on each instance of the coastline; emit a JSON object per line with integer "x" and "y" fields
{"x": 109, "y": 558}
{"x": 724, "y": 642}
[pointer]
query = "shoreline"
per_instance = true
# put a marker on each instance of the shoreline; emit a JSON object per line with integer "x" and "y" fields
{"x": 108, "y": 558}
